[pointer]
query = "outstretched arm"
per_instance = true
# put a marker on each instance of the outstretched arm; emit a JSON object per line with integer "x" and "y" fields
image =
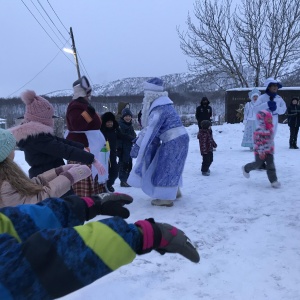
{"x": 59, "y": 261}
{"x": 54, "y": 262}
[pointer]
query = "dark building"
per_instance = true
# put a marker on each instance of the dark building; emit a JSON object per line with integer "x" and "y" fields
{"x": 235, "y": 97}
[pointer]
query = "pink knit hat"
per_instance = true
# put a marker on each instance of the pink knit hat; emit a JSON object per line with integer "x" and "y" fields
{"x": 38, "y": 109}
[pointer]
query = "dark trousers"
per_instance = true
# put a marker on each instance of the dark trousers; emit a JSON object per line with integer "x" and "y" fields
{"x": 124, "y": 170}
{"x": 112, "y": 173}
{"x": 293, "y": 136}
{"x": 207, "y": 160}
{"x": 271, "y": 171}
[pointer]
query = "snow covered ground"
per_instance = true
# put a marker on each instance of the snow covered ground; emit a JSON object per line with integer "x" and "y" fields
{"x": 247, "y": 233}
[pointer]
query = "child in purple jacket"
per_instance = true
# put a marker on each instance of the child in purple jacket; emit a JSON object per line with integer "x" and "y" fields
{"x": 207, "y": 144}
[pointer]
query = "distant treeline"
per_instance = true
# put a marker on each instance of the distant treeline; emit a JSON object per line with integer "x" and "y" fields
{"x": 13, "y": 108}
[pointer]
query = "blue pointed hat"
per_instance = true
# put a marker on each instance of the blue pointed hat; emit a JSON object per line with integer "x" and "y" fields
{"x": 154, "y": 84}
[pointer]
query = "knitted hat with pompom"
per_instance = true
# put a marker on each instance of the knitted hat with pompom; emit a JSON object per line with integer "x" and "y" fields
{"x": 38, "y": 109}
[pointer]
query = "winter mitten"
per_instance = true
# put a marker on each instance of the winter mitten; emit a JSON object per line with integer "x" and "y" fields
{"x": 272, "y": 105}
{"x": 166, "y": 238}
{"x": 77, "y": 173}
{"x": 99, "y": 167}
{"x": 134, "y": 151}
{"x": 110, "y": 204}
{"x": 64, "y": 168}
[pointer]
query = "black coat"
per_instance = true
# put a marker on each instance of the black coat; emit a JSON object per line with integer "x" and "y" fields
{"x": 293, "y": 115}
{"x": 203, "y": 113}
{"x": 124, "y": 143}
{"x": 111, "y": 135}
{"x": 45, "y": 151}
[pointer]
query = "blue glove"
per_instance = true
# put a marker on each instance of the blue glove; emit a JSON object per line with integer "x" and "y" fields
{"x": 134, "y": 151}
{"x": 272, "y": 105}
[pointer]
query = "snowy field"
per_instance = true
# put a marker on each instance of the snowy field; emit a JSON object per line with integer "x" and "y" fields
{"x": 247, "y": 233}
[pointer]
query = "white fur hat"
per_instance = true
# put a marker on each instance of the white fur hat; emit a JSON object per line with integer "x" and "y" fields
{"x": 82, "y": 88}
{"x": 254, "y": 92}
{"x": 272, "y": 80}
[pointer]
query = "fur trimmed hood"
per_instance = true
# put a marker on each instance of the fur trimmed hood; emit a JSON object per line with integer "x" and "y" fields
{"x": 109, "y": 116}
{"x": 25, "y": 130}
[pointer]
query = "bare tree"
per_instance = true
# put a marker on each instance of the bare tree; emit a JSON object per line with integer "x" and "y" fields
{"x": 240, "y": 45}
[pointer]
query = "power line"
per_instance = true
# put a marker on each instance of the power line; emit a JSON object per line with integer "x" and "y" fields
{"x": 36, "y": 74}
{"x": 40, "y": 24}
{"x": 50, "y": 18}
{"x": 58, "y": 17}
{"x": 61, "y": 34}
{"x": 47, "y": 22}
{"x": 54, "y": 33}
{"x": 46, "y": 32}
{"x": 86, "y": 72}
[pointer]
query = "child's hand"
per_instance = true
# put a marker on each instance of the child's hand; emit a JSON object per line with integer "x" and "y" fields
{"x": 100, "y": 168}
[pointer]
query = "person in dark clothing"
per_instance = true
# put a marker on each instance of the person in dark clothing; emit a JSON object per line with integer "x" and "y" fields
{"x": 293, "y": 114}
{"x": 46, "y": 250}
{"x": 203, "y": 111}
{"x": 111, "y": 132}
{"x": 124, "y": 146}
{"x": 121, "y": 106}
{"x": 207, "y": 144}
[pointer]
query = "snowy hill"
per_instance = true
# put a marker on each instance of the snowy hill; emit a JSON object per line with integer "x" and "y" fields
{"x": 134, "y": 86}
{"x": 247, "y": 232}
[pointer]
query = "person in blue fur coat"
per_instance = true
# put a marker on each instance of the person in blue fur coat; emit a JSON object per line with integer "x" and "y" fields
{"x": 46, "y": 252}
{"x": 161, "y": 147}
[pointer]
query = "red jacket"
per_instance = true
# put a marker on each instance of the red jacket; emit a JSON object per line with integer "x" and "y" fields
{"x": 81, "y": 116}
{"x": 206, "y": 141}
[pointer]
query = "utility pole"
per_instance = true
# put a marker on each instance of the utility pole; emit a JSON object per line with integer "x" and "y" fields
{"x": 75, "y": 53}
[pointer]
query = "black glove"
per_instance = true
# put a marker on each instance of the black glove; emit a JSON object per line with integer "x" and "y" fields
{"x": 272, "y": 105}
{"x": 166, "y": 238}
{"x": 110, "y": 204}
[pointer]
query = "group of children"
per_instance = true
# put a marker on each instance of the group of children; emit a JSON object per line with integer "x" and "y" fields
{"x": 32, "y": 231}
{"x": 46, "y": 250}
{"x": 261, "y": 120}
{"x": 120, "y": 135}
{"x": 44, "y": 243}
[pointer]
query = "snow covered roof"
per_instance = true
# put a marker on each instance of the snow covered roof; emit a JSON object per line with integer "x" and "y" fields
{"x": 289, "y": 88}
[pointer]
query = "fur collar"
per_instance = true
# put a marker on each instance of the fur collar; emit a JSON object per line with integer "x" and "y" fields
{"x": 149, "y": 98}
{"x": 23, "y": 131}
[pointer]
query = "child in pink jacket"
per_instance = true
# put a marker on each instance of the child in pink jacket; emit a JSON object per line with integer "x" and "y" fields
{"x": 17, "y": 188}
{"x": 263, "y": 148}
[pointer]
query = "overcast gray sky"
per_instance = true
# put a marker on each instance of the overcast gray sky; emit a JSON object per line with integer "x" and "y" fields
{"x": 115, "y": 39}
